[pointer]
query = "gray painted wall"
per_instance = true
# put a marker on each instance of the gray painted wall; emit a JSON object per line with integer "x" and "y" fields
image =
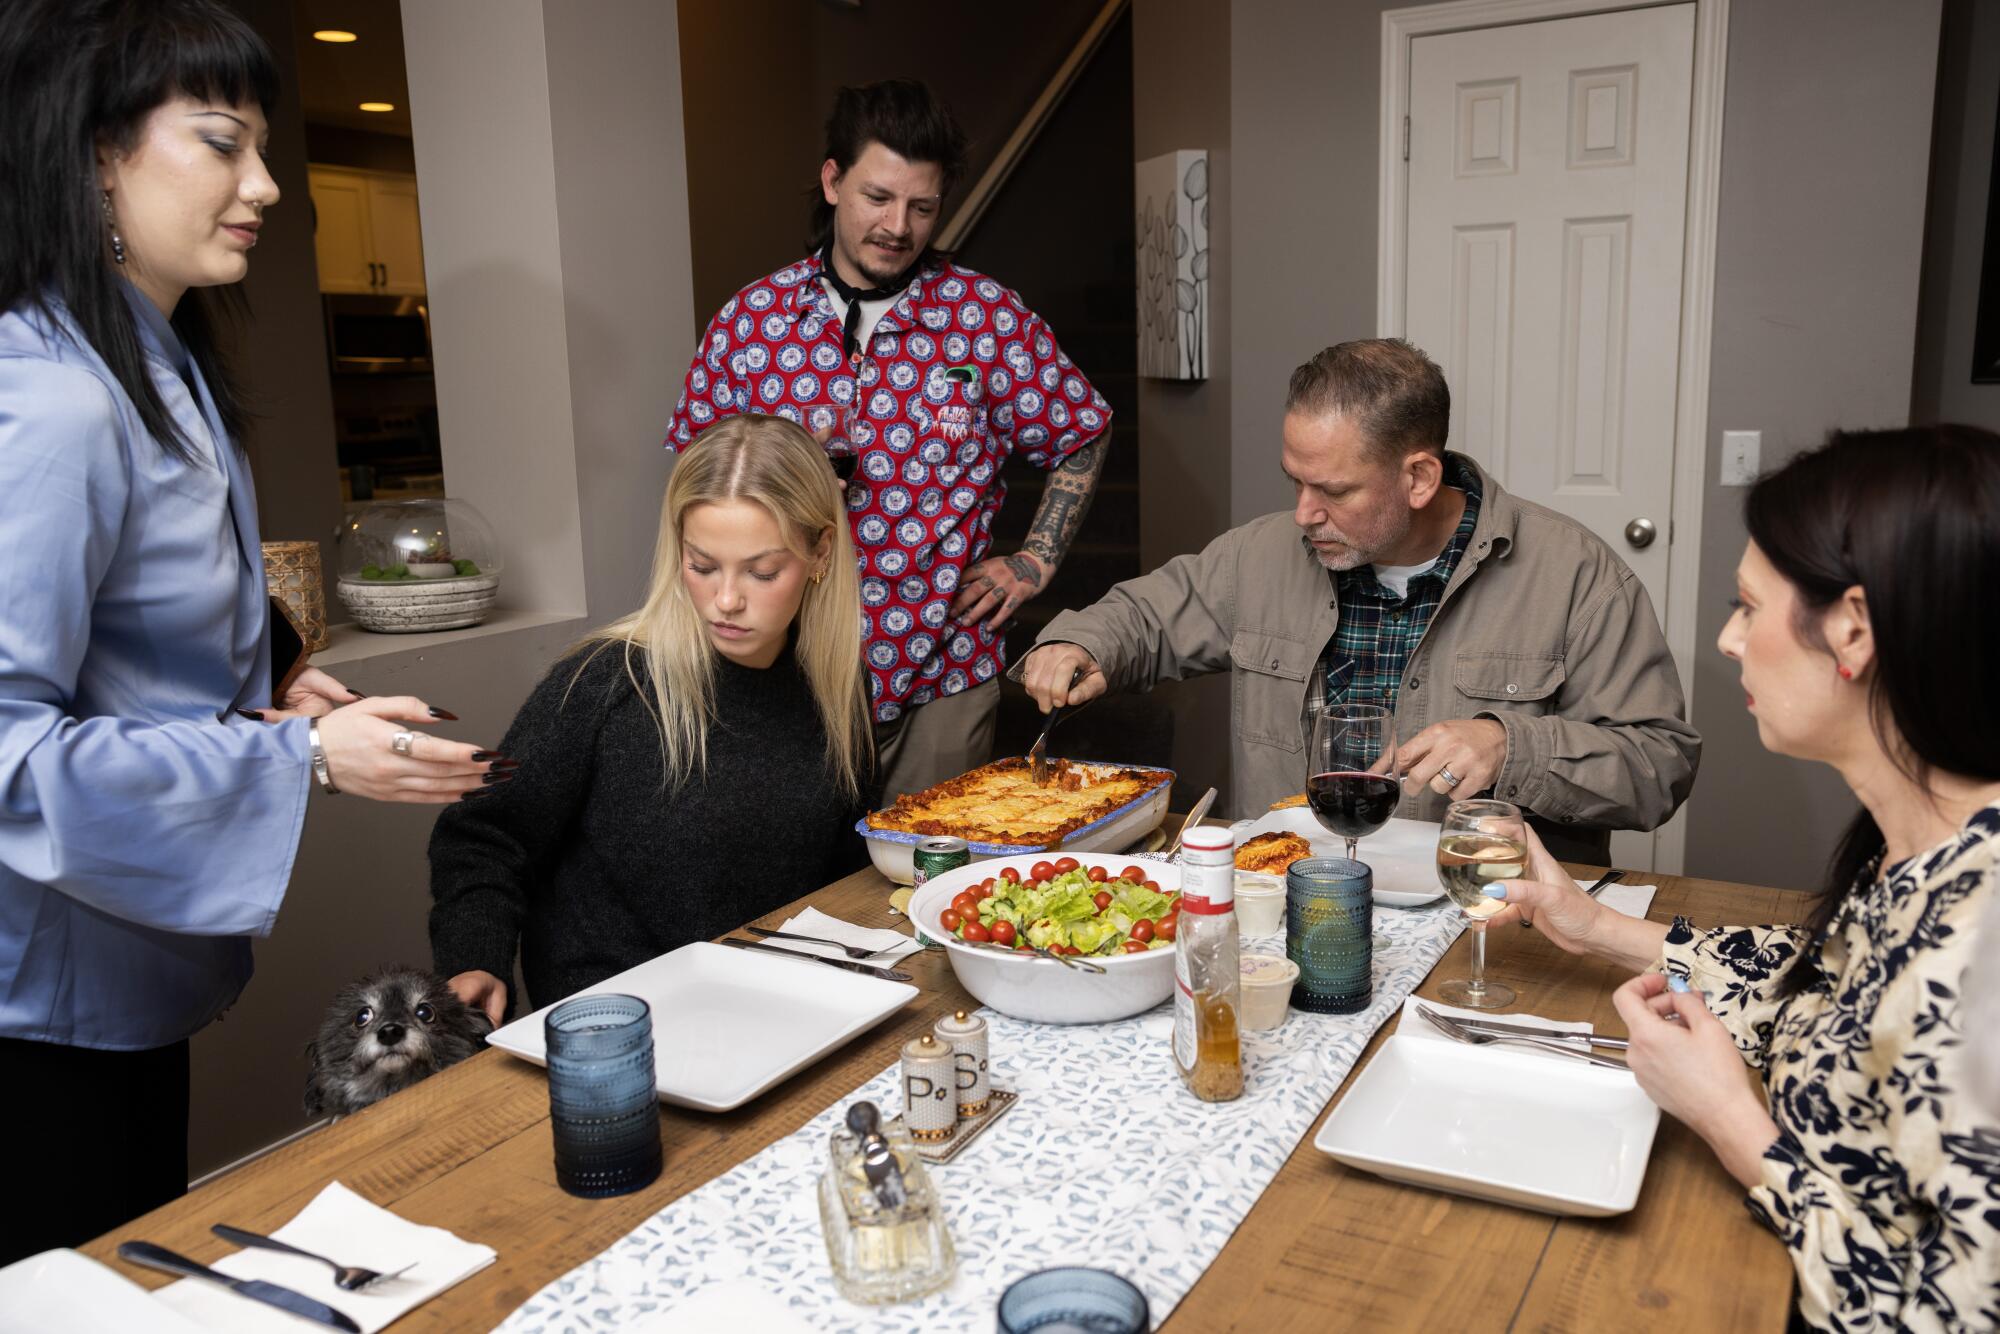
{"x": 560, "y": 286}
{"x": 1827, "y": 133}
{"x": 1825, "y": 151}
{"x": 1961, "y": 171}
{"x": 1181, "y": 99}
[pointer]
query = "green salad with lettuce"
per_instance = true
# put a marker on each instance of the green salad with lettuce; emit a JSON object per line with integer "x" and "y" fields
{"x": 1071, "y": 910}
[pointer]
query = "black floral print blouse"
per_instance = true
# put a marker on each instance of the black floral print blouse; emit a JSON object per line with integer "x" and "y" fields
{"x": 1884, "y": 1181}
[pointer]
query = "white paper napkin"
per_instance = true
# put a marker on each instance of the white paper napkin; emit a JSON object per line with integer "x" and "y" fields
{"x": 1632, "y": 900}
{"x": 344, "y": 1227}
{"x": 737, "y": 1307}
{"x": 1412, "y": 1024}
{"x": 889, "y": 945}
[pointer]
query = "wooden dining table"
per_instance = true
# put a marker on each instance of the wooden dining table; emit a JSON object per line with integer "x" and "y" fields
{"x": 1326, "y": 1246}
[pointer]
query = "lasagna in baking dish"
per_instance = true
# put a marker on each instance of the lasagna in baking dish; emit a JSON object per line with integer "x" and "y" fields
{"x": 1001, "y": 803}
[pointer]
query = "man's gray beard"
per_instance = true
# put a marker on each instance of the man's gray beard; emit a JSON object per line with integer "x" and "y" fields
{"x": 1347, "y": 560}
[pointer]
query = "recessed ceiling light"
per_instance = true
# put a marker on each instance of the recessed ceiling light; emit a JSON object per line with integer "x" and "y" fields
{"x": 378, "y": 106}
{"x": 334, "y": 35}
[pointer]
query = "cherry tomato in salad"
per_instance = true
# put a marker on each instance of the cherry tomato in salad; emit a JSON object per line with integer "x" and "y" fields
{"x": 966, "y": 903}
{"x": 1102, "y": 898}
{"x": 1010, "y": 875}
{"x": 1064, "y": 865}
{"x": 974, "y": 931}
{"x": 1169, "y": 925}
{"x": 1022, "y": 944}
{"x": 1042, "y": 871}
{"x": 1142, "y": 930}
{"x": 1098, "y": 874}
{"x": 1134, "y": 947}
{"x": 1153, "y": 885}
{"x": 1134, "y": 874}
{"x": 1002, "y": 932}
{"x": 981, "y": 892}
{"x": 987, "y": 884}
{"x": 949, "y": 920}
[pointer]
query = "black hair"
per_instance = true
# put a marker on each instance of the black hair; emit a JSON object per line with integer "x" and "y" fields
{"x": 1912, "y": 517}
{"x": 904, "y": 117}
{"x": 1394, "y": 393}
{"x": 77, "y": 75}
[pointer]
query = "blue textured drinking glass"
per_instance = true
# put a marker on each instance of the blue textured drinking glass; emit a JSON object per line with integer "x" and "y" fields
{"x": 1329, "y": 934}
{"x": 1089, "y": 1301}
{"x": 603, "y": 1106}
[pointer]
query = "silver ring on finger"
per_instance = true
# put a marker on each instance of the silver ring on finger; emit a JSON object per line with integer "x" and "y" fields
{"x": 404, "y": 742}
{"x": 1451, "y": 780}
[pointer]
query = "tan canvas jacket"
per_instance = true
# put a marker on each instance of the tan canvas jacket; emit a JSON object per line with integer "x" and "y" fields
{"x": 1542, "y": 628}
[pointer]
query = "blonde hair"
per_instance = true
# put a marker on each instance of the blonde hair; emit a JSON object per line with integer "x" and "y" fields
{"x": 771, "y": 462}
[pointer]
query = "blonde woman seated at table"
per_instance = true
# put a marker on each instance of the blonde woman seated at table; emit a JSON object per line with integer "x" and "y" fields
{"x": 687, "y": 768}
{"x": 1866, "y": 640}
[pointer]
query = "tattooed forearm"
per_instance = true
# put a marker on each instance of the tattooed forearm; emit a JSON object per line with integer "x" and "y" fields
{"x": 1065, "y": 501}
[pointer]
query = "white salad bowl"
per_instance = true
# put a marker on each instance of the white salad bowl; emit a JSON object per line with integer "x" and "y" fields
{"x": 1028, "y": 986}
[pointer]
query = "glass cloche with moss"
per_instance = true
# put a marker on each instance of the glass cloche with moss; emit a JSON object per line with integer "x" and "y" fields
{"x": 416, "y": 565}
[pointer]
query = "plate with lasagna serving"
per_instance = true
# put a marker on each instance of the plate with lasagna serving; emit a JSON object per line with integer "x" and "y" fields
{"x": 1402, "y": 853}
{"x": 999, "y": 810}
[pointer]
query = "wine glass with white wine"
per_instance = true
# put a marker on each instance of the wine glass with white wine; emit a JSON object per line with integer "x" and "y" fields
{"x": 1481, "y": 843}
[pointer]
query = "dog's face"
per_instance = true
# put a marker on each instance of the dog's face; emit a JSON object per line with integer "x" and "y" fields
{"x": 384, "y": 1033}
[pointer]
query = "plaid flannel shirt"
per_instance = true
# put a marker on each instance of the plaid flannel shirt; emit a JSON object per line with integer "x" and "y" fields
{"x": 1378, "y": 631}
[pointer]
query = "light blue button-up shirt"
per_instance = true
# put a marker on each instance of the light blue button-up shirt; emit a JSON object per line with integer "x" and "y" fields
{"x": 146, "y": 831}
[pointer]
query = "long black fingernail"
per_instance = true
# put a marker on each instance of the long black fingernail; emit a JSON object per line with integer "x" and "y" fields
{"x": 358, "y": 694}
{"x": 504, "y": 765}
{"x": 499, "y": 776}
{"x": 482, "y": 756}
{"x": 251, "y": 715}
{"x": 445, "y": 715}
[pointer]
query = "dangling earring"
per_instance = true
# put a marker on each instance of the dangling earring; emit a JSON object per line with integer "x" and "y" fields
{"x": 111, "y": 221}
{"x": 818, "y": 575}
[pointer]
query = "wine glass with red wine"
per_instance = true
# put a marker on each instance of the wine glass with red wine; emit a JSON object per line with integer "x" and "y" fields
{"x": 1354, "y": 788}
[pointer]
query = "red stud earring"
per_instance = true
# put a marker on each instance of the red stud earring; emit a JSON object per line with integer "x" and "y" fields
{"x": 1846, "y": 672}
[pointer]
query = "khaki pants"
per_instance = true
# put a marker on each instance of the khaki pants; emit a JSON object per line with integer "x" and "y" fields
{"x": 940, "y": 740}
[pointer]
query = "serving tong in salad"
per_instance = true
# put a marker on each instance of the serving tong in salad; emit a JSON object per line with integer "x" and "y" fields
{"x": 1082, "y": 965}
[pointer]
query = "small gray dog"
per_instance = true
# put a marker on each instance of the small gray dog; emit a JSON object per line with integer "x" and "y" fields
{"x": 382, "y": 1034}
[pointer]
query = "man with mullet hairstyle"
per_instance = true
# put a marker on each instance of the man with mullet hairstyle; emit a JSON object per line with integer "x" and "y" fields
{"x": 919, "y": 377}
{"x": 1519, "y": 654}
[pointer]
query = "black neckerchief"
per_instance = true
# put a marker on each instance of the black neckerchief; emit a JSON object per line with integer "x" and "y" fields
{"x": 853, "y": 296}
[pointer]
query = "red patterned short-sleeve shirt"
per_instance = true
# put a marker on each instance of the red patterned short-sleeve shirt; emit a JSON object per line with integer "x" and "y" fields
{"x": 958, "y": 375}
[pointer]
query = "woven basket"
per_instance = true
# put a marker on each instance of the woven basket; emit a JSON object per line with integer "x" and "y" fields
{"x": 291, "y": 572}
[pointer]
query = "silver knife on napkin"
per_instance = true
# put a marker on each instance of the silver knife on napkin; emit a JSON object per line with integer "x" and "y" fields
{"x": 159, "y": 1257}
{"x": 887, "y": 974}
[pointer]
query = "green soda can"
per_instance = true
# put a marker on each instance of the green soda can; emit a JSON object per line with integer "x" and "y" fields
{"x": 935, "y": 856}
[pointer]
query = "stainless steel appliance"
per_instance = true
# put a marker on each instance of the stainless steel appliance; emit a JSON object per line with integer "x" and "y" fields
{"x": 378, "y": 335}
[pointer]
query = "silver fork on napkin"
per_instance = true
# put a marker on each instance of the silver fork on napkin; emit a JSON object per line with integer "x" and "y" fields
{"x": 351, "y": 1278}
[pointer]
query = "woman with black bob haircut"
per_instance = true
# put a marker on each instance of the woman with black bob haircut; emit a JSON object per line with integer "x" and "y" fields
{"x": 1865, "y": 631}
{"x": 151, "y": 799}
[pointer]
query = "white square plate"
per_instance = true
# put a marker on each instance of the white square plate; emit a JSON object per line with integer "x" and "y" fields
{"x": 1402, "y": 853}
{"x": 64, "y": 1292}
{"x": 1561, "y": 1137}
{"x": 728, "y": 1024}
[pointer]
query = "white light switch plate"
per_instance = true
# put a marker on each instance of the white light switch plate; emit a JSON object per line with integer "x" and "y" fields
{"x": 1739, "y": 457}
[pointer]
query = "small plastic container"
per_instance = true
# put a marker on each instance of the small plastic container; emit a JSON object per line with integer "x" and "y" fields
{"x": 1267, "y": 990}
{"x": 1260, "y": 904}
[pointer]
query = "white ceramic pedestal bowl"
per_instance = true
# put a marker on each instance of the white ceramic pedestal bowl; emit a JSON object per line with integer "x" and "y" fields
{"x": 1030, "y": 987}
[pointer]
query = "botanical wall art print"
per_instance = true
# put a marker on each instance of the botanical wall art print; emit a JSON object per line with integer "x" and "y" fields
{"x": 1171, "y": 194}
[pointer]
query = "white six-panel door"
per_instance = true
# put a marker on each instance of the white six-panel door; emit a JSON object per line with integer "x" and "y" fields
{"x": 1547, "y": 192}
{"x": 1547, "y": 189}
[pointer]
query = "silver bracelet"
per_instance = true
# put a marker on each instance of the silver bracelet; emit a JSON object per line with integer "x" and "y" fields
{"x": 320, "y": 771}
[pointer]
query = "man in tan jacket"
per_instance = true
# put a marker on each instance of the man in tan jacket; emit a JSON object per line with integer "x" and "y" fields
{"x": 1520, "y": 655}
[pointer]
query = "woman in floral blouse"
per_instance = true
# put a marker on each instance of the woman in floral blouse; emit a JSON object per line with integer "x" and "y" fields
{"x": 1865, "y": 634}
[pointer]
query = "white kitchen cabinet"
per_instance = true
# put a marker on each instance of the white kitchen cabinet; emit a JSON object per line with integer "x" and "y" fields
{"x": 366, "y": 232}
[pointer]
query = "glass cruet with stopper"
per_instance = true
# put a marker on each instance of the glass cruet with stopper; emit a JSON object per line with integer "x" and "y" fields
{"x": 1208, "y": 982}
{"x": 884, "y": 1227}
